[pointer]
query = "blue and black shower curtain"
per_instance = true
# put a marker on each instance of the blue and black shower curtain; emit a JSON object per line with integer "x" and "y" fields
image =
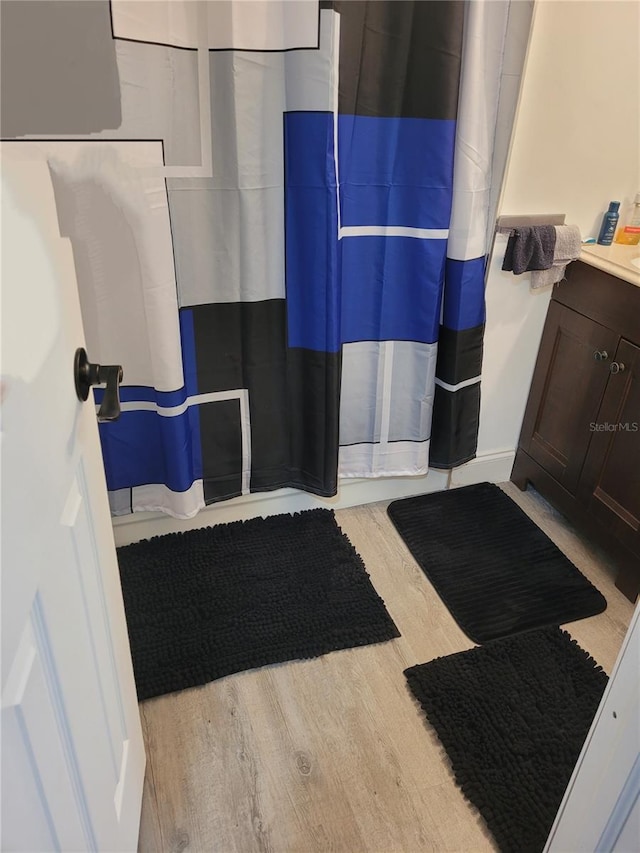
{"x": 278, "y": 212}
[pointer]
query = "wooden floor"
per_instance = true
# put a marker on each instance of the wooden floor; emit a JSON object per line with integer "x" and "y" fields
{"x": 333, "y": 754}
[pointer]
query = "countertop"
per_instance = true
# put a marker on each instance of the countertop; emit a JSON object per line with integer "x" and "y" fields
{"x": 615, "y": 259}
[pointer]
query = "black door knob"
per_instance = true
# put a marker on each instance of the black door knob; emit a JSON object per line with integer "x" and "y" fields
{"x": 87, "y": 374}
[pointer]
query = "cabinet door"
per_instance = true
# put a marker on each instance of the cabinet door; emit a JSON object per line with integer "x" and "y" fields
{"x": 566, "y": 391}
{"x": 611, "y": 476}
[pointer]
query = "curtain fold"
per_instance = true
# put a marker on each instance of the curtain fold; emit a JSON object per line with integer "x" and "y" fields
{"x": 284, "y": 240}
{"x": 400, "y": 67}
{"x": 454, "y": 435}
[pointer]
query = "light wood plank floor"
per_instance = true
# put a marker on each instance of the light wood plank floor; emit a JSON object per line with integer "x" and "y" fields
{"x": 333, "y": 754}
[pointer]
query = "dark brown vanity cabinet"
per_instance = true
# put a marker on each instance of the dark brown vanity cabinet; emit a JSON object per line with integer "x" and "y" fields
{"x": 580, "y": 439}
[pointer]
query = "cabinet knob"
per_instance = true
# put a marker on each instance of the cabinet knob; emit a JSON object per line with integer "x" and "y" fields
{"x": 616, "y": 367}
{"x": 601, "y": 355}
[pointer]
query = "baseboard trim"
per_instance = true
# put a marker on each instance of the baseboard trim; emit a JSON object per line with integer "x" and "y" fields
{"x": 485, "y": 468}
{"x": 495, "y": 467}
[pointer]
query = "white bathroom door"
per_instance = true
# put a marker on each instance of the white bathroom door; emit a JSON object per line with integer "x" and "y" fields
{"x": 72, "y": 751}
{"x": 601, "y": 807}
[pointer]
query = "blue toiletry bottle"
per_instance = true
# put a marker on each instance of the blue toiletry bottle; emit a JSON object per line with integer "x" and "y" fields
{"x": 609, "y": 224}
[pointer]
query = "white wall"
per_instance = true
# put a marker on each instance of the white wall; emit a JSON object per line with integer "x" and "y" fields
{"x": 575, "y": 147}
{"x": 576, "y": 144}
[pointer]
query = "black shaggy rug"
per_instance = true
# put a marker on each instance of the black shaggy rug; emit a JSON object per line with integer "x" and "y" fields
{"x": 493, "y": 568}
{"x": 513, "y": 716}
{"x": 208, "y": 603}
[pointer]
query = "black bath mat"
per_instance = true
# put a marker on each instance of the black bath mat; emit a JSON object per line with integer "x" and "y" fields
{"x": 513, "y": 716}
{"x": 208, "y": 603}
{"x": 494, "y": 569}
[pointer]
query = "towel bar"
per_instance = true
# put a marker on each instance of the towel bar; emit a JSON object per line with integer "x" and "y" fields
{"x": 506, "y": 224}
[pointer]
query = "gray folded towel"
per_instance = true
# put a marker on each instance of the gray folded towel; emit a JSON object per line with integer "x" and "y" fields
{"x": 567, "y": 248}
{"x": 530, "y": 248}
